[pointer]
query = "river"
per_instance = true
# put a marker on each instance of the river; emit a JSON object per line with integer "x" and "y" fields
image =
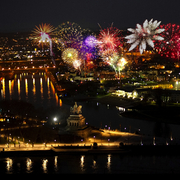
{"x": 96, "y": 164}
{"x": 39, "y": 90}
{"x": 33, "y": 88}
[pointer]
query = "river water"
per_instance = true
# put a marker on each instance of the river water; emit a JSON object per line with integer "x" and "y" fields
{"x": 39, "y": 90}
{"x": 98, "y": 164}
{"x": 33, "y": 88}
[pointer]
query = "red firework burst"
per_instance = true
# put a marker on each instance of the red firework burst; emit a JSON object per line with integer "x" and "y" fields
{"x": 170, "y": 46}
{"x": 109, "y": 39}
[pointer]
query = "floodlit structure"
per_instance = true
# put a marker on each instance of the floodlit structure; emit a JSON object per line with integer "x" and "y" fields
{"x": 75, "y": 120}
{"x": 76, "y": 123}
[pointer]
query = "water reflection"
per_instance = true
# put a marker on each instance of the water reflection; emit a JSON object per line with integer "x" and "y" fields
{"x": 10, "y": 88}
{"x": 26, "y": 88}
{"x": 101, "y": 164}
{"x": 36, "y": 89}
{"x": 9, "y": 163}
{"x": 19, "y": 89}
{"x": 3, "y": 88}
{"x": 60, "y": 102}
{"x": 44, "y": 165}
{"x": 49, "y": 92}
{"x": 28, "y": 164}
{"x": 82, "y": 163}
{"x": 39, "y": 90}
{"x": 109, "y": 162}
{"x": 41, "y": 87}
{"x": 34, "y": 86}
{"x": 94, "y": 164}
{"x": 2, "y": 93}
{"x": 55, "y": 163}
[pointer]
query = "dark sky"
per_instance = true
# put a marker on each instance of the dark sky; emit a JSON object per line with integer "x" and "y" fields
{"x": 23, "y": 15}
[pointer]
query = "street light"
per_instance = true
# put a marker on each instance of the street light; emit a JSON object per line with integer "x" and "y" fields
{"x": 55, "y": 120}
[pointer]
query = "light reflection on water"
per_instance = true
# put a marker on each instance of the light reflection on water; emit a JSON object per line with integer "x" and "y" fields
{"x": 39, "y": 90}
{"x": 109, "y": 162}
{"x": 34, "y": 88}
{"x": 44, "y": 165}
{"x": 55, "y": 163}
{"x": 87, "y": 164}
{"x": 28, "y": 165}
{"x": 9, "y": 164}
{"x": 82, "y": 163}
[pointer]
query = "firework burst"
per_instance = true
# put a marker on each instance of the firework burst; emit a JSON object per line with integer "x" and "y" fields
{"x": 69, "y": 55}
{"x": 116, "y": 62}
{"x": 91, "y": 41}
{"x": 144, "y": 34}
{"x": 69, "y": 35}
{"x": 43, "y": 32}
{"x": 77, "y": 64}
{"x": 108, "y": 40}
{"x": 89, "y": 50}
{"x": 170, "y": 46}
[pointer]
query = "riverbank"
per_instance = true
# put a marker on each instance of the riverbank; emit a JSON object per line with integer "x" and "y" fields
{"x": 138, "y": 110}
{"x": 121, "y": 150}
{"x": 109, "y": 99}
{"x": 116, "y": 101}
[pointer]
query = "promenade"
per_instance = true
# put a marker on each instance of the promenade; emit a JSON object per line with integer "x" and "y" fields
{"x": 124, "y": 142}
{"x": 50, "y": 150}
{"x": 84, "y": 146}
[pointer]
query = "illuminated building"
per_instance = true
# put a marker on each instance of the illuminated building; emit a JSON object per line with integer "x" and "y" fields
{"x": 159, "y": 85}
{"x": 76, "y": 119}
{"x": 76, "y": 123}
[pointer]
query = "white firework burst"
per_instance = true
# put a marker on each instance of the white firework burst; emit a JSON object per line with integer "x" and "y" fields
{"x": 144, "y": 34}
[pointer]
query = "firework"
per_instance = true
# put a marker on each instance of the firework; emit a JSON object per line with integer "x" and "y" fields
{"x": 108, "y": 40}
{"x": 108, "y": 55}
{"x": 108, "y": 44}
{"x": 116, "y": 62}
{"x": 121, "y": 64}
{"x": 144, "y": 34}
{"x": 91, "y": 41}
{"x": 77, "y": 64}
{"x": 89, "y": 49}
{"x": 42, "y": 35}
{"x": 69, "y": 55}
{"x": 43, "y": 32}
{"x": 170, "y": 46}
{"x": 69, "y": 35}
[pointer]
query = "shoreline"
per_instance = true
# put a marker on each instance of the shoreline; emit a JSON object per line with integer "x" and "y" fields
{"x": 121, "y": 150}
{"x": 109, "y": 99}
{"x": 138, "y": 113}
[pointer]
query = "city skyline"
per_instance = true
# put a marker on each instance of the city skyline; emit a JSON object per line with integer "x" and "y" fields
{"x": 21, "y": 16}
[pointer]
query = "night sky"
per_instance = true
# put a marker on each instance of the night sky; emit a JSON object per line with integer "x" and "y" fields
{"x": 23, "y": 15}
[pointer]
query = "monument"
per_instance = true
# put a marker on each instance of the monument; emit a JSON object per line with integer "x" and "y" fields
{"x": 76, "y": 123}
{"x": 75, "y": 120}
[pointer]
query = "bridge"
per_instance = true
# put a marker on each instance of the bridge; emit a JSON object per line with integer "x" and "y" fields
{"x": 26, "y": 65}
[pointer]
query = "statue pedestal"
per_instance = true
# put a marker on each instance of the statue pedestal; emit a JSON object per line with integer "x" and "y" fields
{"x": 76, "y": 120}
